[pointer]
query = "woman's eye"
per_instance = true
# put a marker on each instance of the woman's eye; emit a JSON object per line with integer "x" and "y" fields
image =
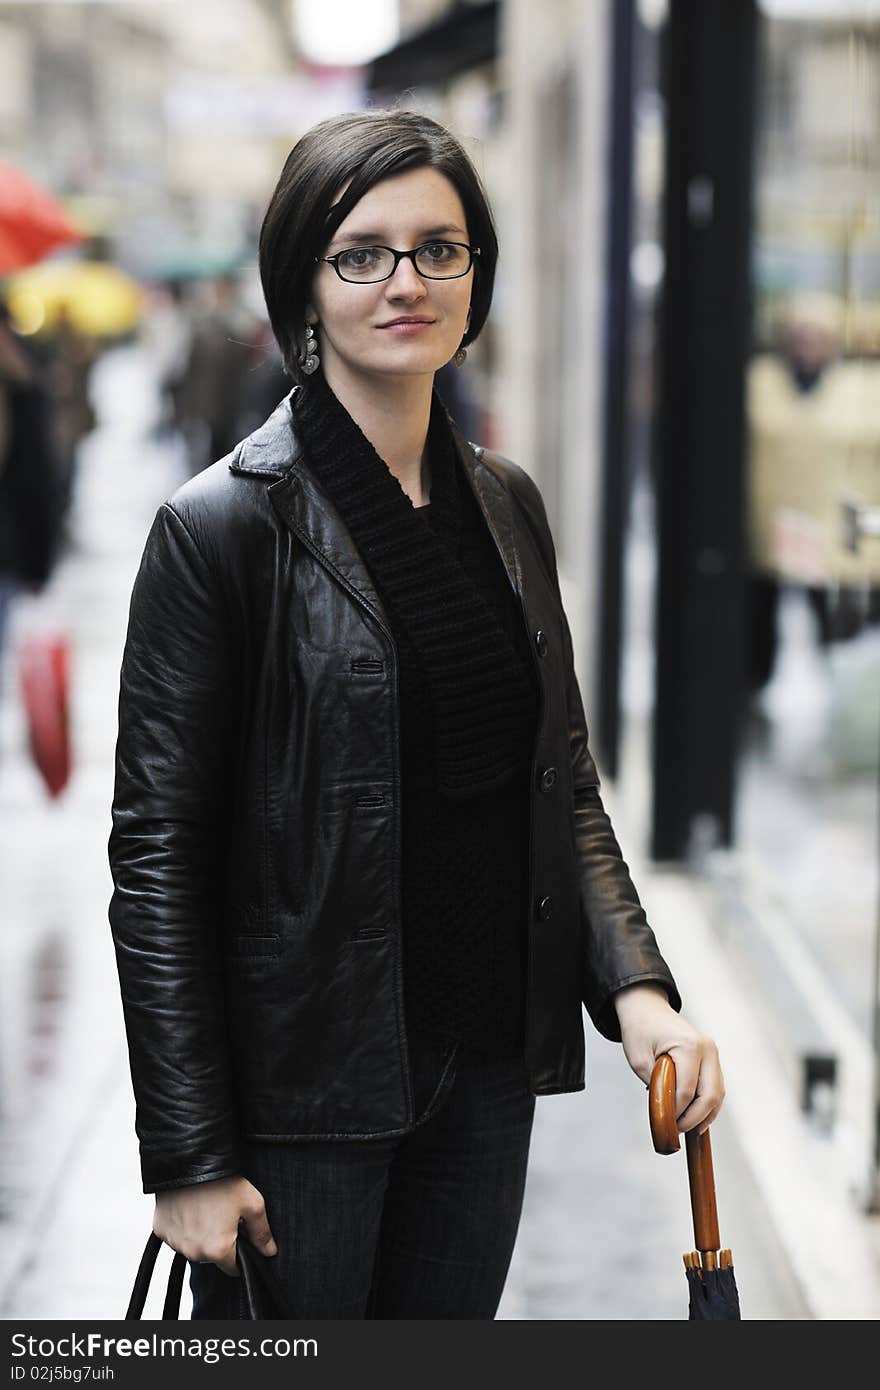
{"x": 439, "y": 251}
{"x": 358, "y": 259}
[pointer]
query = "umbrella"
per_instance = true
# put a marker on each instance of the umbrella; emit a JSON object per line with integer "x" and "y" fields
{"x": 32, "y": 222}
{"x": 96, "y": 298}
{"x": 713, "y": 1295}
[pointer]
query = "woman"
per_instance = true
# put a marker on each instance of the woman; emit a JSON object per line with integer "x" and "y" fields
{"x": 363, "y": 877}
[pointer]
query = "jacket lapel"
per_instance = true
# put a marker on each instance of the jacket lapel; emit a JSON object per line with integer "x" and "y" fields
{"x": 311, "y": 515}
{"x": 273, "y": 452}
{"x": 495, "y": 504}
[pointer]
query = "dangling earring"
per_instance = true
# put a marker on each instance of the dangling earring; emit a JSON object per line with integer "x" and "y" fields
{"x": 308, "y": 358}
{"x": 460, "y": 356}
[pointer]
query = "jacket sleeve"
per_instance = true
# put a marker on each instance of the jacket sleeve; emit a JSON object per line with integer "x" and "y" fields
{"x": 165, "y": 858}
{"x": 619, "y": 946}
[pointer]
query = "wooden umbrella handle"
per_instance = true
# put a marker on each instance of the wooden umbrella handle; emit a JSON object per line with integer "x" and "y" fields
{"x": 701, "y": 1178}
{"x": 661, "y": 1106}
{"x": 664, "y": 1132}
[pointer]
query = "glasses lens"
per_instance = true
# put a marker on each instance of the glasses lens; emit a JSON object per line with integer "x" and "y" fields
{"x": 365, "y": 263}
{"x": 442, "y": 260}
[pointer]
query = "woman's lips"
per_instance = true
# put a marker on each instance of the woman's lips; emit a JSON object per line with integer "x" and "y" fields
{"x": 406, "y": 329}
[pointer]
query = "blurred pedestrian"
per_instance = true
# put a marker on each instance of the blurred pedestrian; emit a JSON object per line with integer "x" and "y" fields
{"x": 69, "y": 356}
{"x": 265, "y": 383}
{"x": 30, "y": 484}
{"x": 364, "y": 880}
{"x": 813, "y": 426}
{"x": 213, "y": 380}
{"x": 456, "y": 396}
{"x": 166, "y": 333}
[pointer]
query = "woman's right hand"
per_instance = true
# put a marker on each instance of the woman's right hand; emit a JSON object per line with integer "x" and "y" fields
{"x": 201, "y": 1221}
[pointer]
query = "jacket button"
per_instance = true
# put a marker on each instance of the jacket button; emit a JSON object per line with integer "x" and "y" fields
{"x": 548, "y": 779}
{"x": 541, "y": 642}
{"x": 545, "y": 909}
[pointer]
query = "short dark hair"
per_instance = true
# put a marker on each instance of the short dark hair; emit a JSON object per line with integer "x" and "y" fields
{"x": 366, "y": 147}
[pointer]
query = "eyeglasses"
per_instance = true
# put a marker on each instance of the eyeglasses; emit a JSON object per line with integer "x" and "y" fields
{"x": 434, "y": 260}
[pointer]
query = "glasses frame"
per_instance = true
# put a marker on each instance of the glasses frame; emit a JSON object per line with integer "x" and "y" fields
{"x": 398, "y": 257}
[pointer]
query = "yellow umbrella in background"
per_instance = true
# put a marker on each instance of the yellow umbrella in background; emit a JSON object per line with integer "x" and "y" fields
{"x": 97, "y": 299}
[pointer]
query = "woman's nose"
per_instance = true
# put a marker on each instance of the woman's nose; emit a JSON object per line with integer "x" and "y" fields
{"x": 406, "y": 280}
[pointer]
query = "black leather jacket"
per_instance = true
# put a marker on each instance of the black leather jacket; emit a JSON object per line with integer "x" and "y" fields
{"x": 255, "y": 847}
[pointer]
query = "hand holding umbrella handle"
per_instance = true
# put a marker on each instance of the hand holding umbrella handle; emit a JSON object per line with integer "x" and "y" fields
{"x": 664, "y": 1133}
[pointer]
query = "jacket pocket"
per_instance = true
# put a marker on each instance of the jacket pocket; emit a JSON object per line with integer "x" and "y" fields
{"x": 252, "y": 945}
{"x": 373, "y": 933}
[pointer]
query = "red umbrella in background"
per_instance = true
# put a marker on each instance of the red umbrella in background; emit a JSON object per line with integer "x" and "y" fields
{"x": 32, "y": 222}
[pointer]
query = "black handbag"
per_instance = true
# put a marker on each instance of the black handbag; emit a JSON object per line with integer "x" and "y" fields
{"x": 261, "y": 1296}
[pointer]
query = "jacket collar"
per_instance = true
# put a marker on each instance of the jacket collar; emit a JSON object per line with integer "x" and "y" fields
{"x": 274, "y": 452}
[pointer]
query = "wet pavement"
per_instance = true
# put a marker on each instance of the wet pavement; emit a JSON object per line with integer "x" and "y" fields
{"x": 605, "y": 1220}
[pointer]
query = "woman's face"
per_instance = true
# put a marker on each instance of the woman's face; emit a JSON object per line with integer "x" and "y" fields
{"x": 353, "y": 320}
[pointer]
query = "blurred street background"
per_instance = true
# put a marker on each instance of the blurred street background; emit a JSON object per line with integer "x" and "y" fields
{"x": 684, "y": 352}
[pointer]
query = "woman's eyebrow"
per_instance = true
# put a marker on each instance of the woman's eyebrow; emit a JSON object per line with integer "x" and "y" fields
{"x": 347, "y": 238}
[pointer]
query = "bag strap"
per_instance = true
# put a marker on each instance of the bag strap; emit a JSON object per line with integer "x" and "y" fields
{"x": 171, "y": 1308}
{"x": 257, "y": 1272}
{"x": 259, "y": 1283}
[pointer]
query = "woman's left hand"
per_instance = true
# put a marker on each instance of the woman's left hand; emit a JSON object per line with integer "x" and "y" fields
{"x": 649, "y": 1026}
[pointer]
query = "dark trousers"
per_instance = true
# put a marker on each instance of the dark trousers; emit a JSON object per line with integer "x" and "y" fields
{"x": 421, "y": 1226}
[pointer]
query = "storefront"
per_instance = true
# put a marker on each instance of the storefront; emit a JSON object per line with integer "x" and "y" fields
{"x": 753, "y": 507}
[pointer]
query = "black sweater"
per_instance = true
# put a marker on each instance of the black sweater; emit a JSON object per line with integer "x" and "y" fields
{"x": 464, "y": 881}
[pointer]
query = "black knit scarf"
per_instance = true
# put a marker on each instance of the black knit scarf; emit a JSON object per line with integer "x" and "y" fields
{"x": 480, "y": 693}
